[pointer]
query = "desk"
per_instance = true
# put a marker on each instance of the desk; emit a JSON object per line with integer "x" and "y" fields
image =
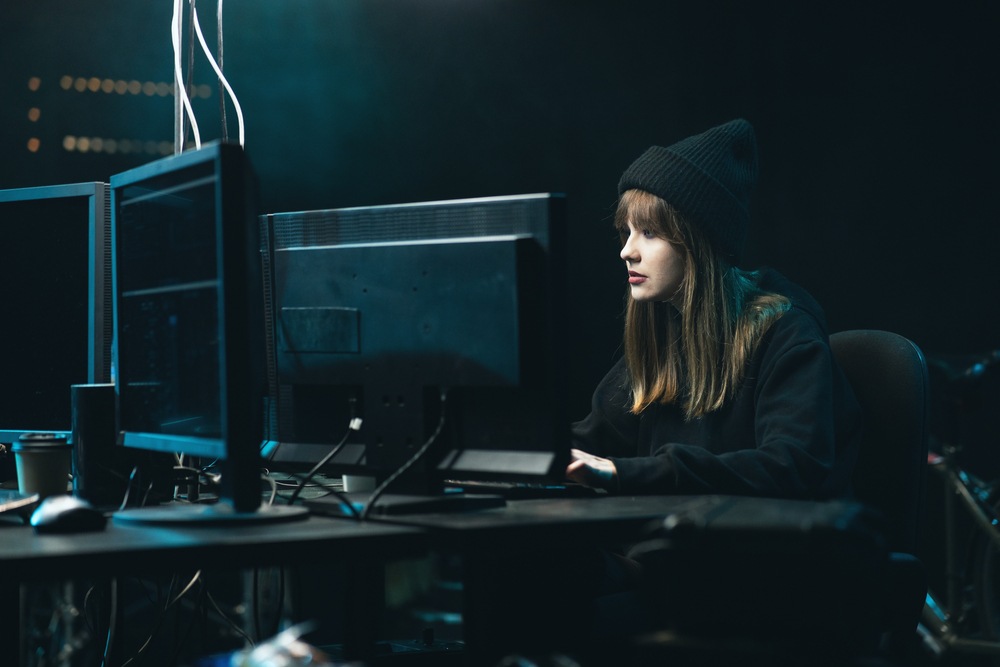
{"x": 508, "y": 554}
{"x": 125, "y": 550}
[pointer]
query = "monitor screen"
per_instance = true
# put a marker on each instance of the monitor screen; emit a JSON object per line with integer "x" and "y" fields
{"x": 438, "y": 320}
{"x": 54, "y": 293}
{"x": 189, "y": 328}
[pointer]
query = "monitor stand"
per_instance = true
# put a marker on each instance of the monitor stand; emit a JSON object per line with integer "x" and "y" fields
{"x": 214, "y": 514}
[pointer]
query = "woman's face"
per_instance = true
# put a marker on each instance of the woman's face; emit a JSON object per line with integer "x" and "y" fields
{"x": 655, "y": 266}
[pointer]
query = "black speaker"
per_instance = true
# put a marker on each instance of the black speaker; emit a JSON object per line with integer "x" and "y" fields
{"x": 100, "y": 472}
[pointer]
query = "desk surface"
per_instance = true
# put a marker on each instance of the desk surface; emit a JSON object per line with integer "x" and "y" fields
{"x": 564, "y": 520}
{"x": 529, "y": 524}
{"x": 126, "y": 549}
{"x": 25, "y": 555}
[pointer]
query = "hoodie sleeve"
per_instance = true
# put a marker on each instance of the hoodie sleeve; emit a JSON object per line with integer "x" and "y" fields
{"x": 610, "y": 429}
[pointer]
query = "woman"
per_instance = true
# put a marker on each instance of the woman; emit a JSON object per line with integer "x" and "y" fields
{"x": 727, "y": 384}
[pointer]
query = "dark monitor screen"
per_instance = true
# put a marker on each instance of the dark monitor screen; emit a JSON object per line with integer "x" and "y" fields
{"x": 189, "y": 328}
{"x": 55, "y": 289}
{"x": 418, "y": 317}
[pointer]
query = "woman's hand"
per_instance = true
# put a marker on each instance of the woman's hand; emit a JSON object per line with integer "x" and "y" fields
{"x": 591, "y": 470}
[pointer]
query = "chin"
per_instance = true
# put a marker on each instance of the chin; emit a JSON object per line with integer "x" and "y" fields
{"x": 643, "y": 296}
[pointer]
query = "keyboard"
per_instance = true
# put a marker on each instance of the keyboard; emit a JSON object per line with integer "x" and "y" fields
{"x": 15, "y": 503}
{"x": 525, "y": 490}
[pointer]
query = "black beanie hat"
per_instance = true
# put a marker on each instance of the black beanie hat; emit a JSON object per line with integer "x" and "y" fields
{"x": 707, "y": 178}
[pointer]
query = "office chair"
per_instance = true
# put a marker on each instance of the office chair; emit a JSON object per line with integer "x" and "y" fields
{"x": 888, "y": 374}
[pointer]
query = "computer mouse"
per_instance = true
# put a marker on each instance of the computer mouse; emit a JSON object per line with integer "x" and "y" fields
{"x": 66, "y": 514}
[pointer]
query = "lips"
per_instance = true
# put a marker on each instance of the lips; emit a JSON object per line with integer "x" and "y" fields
{"x": 636, "y": 278}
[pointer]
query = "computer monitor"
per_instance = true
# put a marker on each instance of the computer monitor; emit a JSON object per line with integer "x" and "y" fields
{"x": 55, "y": 297}
{"x": 189, "y": 328}
{"x": 418, "y": 317}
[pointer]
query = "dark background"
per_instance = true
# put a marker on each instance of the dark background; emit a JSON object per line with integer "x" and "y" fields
{"x": 877, "y": 125}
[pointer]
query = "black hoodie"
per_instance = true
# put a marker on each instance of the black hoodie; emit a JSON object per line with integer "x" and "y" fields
{"x": 792, "y": 430}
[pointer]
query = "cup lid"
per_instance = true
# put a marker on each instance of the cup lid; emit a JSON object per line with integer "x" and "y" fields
{"x": 40, "y": 441}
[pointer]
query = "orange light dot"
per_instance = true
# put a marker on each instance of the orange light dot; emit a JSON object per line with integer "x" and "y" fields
{"x": 34, "y": 144}
{"x": 34, "y": 83}
{"x": 34, "y": 113}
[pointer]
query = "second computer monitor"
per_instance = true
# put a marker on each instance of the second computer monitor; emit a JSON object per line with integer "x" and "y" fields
{"x": 436, "y": 321}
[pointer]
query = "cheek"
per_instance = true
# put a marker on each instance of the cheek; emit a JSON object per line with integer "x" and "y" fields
{"x": 670, "y": 263}
{"x": 678, "y": 265}
{"x": 674, "y": 269}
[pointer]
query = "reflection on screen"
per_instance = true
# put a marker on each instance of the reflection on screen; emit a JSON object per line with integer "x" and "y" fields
{"x": 168, "y": 318}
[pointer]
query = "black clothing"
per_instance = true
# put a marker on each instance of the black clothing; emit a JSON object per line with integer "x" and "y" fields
{"x": 792, "y": 429}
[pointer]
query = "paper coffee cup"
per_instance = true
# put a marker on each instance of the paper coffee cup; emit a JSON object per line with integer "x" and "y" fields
{"x": 44, "y": 462}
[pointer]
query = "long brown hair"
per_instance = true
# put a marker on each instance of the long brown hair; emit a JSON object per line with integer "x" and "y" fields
{"x": 694, "y": 354}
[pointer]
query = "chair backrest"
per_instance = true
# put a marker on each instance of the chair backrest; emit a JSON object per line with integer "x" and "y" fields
{"x": 888, "y": 374}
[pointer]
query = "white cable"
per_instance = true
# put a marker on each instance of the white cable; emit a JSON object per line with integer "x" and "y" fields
{"x": 222, "y": 66}
{"x": 178, "y": 107}
{"x": 218, "y": 72}
{"x": 179, "y": 87}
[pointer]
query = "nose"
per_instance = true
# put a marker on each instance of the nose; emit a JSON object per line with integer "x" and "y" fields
{"x": 628, "y": 253}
